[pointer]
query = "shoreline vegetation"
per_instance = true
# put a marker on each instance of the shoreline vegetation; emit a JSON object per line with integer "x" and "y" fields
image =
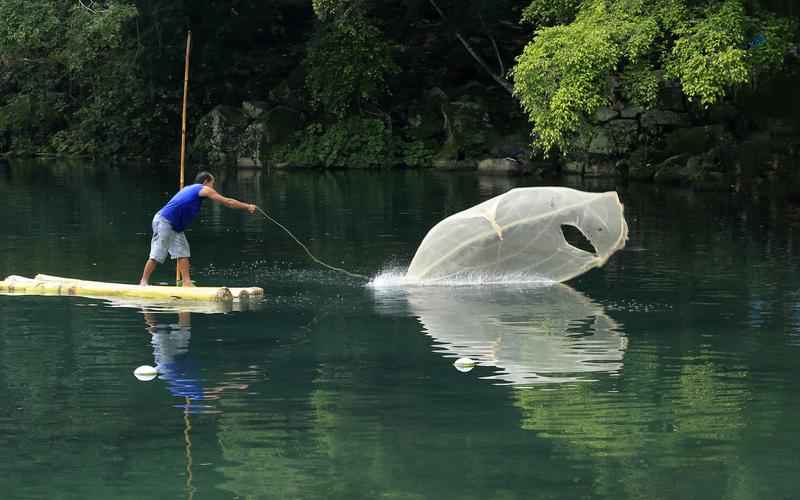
{"x": 679, "y": 92}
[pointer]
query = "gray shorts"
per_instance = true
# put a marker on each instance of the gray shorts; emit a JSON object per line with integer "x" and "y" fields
{"x": 165, "y": 239}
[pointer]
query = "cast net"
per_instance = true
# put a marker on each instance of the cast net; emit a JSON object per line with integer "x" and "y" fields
{"x": 519, "y": 236}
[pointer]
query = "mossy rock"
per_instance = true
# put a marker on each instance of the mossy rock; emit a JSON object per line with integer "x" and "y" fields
{"x": 694, "y": 140}
{"x": 467, "y": 128}
{"x": 674, "y": 170}
{"x": 614, "y": 137}
{"x": 517, "y": 146}
{"x": 218, "y": 135}
{"x": 640, "y": 166}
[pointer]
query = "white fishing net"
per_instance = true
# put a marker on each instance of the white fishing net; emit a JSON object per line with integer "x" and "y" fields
{"x": 518, "y": 236}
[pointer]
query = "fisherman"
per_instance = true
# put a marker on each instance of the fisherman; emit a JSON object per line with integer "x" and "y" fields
{"x": 174, "y": 217}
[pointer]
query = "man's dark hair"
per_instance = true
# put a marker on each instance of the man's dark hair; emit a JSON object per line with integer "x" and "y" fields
{"x": 202, "y": 177}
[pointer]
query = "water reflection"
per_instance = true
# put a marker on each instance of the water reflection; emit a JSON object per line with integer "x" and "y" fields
{"x": 178, "y": 368}
{"x": 180, "y": 307}
{"x": 533, "y": 335}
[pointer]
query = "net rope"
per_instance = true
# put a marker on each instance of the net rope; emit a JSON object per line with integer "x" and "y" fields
{"x": 315, "y": 259}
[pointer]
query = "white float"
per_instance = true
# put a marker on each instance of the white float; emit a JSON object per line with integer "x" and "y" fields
{"x": 464, "y": 364}
{"x": 145, "y": 372}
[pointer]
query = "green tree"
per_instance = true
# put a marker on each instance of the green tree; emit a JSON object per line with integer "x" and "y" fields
{"x": 568, "y": 70}
{"x": 71, "y": 82}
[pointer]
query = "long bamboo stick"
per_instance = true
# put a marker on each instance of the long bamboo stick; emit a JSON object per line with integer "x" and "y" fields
{"x": 183, "y": 125}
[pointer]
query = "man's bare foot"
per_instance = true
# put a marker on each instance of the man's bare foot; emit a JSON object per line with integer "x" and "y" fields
{"x": 188, "y": 284}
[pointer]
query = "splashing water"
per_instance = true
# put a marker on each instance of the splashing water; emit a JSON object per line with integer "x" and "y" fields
{"x": 398, "y": 278}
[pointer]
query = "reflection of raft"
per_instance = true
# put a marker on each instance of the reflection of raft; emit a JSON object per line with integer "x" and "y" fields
{"x": 43, "y": 284}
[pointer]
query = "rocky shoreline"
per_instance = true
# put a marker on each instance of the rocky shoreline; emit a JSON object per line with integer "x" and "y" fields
{"x": 721, "y": 148}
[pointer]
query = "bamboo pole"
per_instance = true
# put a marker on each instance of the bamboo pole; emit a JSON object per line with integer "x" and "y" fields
{"x": 183, "y": 125}
{"x": 244, "y": 293}
{"x": 19, "y": 284}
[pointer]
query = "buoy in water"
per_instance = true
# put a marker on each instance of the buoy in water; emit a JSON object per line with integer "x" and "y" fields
{"x": 145, "y": 373}
{"x": 464, "y": 364}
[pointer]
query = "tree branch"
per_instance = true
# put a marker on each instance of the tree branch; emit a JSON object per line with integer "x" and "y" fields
{"x": 494, "y": 45}
{"x": 497, "y": 53}
{"x": 498, "y": 78}
{"x": 87, "y": 7}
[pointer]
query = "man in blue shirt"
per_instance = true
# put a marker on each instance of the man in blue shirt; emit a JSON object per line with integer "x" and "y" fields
{"x": 174, "y": 217}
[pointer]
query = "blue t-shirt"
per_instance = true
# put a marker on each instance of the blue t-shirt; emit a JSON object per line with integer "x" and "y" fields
{"x": 183, "y": 208}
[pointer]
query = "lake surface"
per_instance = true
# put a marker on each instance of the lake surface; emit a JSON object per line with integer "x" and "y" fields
{"x": 670, "y": 373}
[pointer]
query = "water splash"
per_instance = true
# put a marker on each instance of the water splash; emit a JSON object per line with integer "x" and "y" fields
{"x": 396, "y": 278}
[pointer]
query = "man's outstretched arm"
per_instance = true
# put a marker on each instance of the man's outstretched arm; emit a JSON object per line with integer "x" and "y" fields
{"x": 213, "y": 195}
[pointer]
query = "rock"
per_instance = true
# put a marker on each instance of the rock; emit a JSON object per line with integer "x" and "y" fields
{"x": 751, "y": 155}
{"x": 631, "y": 111}
{"x": 616, "y": 137}
{"x": 254, "y": 109}
{"x": 640, "y": 164}
{"x": 218, "y": 135}
{"x": 504, "y": 166}
{"x": 695, "y": 166}
{"x": 641, "y": 171}
{"x": 673, "y": 170}
{"x": 604, "y": 114}
{"x": 455, "y": 164}
{"x": 693, "y": 140}
{"x": 601, "y": 143}
{"x": 466, "y": 124}
{"x": 712, "y": 181}
{"x": 515, "y": 146}
{"x": 624, "y": 133}
{"x": 249, "y": 150}
{"x": 605, "y": 168}
{"x": 545, "y": 167}
{"x": 671, "y": 97}
{"x": 574, "y": 167}
{"x": 703, "y": 171}
{"x": 660, "y": 117}
{"x": 722, "y": 112}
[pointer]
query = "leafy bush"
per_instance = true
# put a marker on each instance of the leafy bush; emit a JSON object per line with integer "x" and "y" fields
{"x": 565, "y": 73}
{"x": 353, "y": 142}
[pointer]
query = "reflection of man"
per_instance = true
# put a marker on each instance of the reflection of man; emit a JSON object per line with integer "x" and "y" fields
{"x": 171, "y": 354}
{"x": 174, "y": 364}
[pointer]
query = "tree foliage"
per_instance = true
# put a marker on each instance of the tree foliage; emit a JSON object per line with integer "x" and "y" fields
{"x": 567, "y": 71}
{"x": 75, "y": 86}
{"x": 348, "y": 65}
{"x": 104, "y": 77}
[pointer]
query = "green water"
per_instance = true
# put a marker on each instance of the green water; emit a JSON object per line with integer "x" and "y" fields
{"x": 669, "y": 373}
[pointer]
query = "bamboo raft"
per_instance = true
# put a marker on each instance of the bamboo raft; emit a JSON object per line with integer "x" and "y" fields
{"x": 43, "y": 284}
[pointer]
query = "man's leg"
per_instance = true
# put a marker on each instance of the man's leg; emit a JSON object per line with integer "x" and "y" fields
{"x": 149, "y": 267}
{"x": 179, "y": 249}
{"x": 183, "y": 269}
{"x": 162, "y": 238}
